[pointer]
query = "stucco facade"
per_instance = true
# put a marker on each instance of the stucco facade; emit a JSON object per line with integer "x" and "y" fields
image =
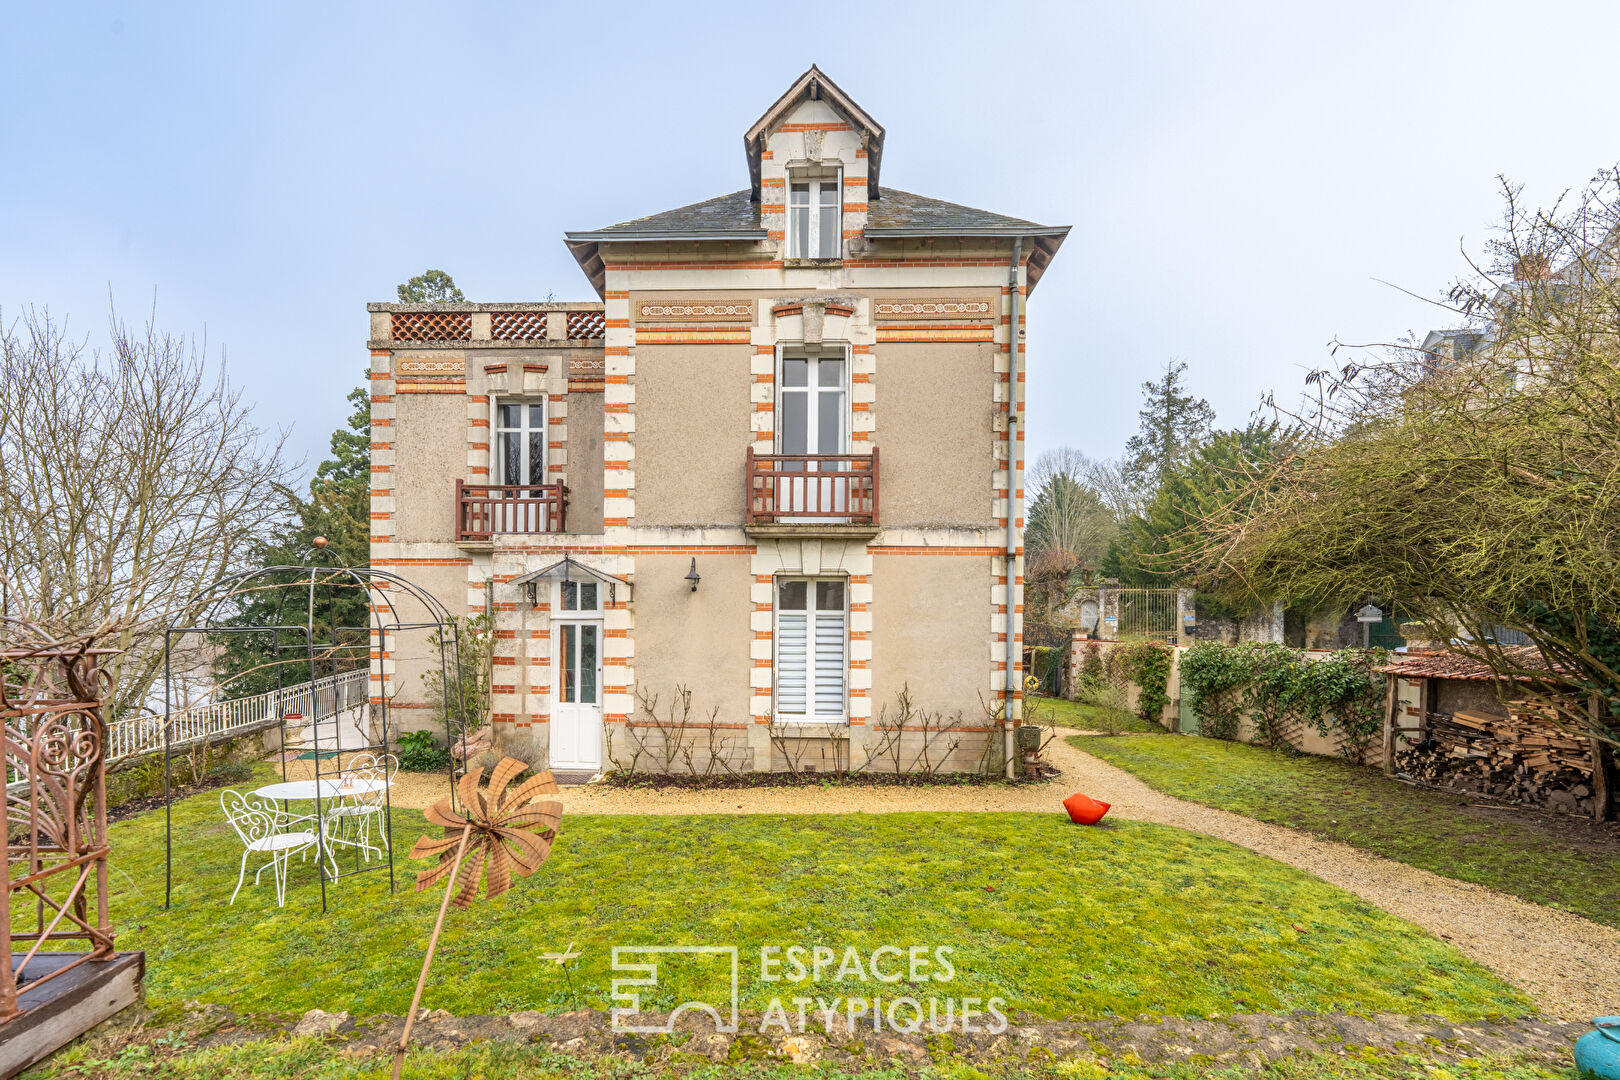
{"x": 854, "y": 348}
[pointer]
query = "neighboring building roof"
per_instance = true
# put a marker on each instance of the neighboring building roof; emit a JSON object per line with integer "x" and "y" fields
{"x": 813, "y": 85}
{"x": 1450, "y": 665}
{"x": 894, "y": 215}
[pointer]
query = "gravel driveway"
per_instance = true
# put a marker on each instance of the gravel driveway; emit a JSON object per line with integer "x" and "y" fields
{"x": 1569, "y": 965}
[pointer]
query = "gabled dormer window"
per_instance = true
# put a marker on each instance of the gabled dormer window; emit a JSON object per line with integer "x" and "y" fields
{"x": 815, "y": 213}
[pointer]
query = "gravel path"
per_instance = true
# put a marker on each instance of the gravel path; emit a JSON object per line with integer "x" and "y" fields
{"x": 1568, "y": 964}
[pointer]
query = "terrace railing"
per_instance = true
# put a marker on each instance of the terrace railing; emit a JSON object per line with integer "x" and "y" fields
{"x": 483, "y": 510}
{"x": 812, "y": 488}
{"x": 312, "y": 702}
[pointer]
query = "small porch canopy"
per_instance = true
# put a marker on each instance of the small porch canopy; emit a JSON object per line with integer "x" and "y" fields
{"x": 568, "y": 568}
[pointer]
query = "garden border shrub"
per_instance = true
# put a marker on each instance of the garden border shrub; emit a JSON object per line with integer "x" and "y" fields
{"x": 1340, "y": 695}
{"x": 1147, "y": 664}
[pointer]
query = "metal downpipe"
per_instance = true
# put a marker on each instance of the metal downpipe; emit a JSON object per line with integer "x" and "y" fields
{"x": 1014, "y": 419}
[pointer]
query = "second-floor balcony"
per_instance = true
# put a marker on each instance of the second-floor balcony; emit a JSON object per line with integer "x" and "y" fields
{"x": 812, "y": 493}
{"x": 484, "y": 510}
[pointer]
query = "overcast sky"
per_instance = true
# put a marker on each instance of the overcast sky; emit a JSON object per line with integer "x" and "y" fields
{"x": 1241, "y": 178}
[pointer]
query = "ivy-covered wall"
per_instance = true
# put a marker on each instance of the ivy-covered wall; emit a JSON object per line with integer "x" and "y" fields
{"x": 1317, "y": 702}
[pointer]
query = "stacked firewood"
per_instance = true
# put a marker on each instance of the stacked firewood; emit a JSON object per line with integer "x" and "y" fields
{"x": 1526, "y": 757}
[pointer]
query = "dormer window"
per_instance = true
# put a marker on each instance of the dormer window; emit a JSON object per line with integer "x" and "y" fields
{"x": 815, "y": 213}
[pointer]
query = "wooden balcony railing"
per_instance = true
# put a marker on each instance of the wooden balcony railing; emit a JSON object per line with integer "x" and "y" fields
{"x": 482, "y": 510}
{"x": 812, "y": 488}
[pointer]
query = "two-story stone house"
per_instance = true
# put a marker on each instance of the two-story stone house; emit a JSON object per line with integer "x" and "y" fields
{"x": 774, "y": 466}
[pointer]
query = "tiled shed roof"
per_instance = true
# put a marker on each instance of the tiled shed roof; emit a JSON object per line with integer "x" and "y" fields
{"x": 1450, "y": 665}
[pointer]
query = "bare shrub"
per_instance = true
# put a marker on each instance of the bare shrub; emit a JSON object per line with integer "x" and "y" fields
{"x": 793, "y": 740}
{"x": 670, "y": 738}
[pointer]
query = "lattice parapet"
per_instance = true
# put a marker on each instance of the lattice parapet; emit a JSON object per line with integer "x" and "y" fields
{"x": 586, "y": 325}
{"x": 518, "y": 325}
{"x": 434, "y": 325}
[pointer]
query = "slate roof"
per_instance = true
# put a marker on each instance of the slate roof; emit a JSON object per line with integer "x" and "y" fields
{"x": 736, "y": 216}
{"x": 728, "y": 216}
{"x": 901, "y": 212}
{"x": 896, "y": 214}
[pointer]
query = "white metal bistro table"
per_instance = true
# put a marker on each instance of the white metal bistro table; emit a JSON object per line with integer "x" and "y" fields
{"x": 308, "y": 791}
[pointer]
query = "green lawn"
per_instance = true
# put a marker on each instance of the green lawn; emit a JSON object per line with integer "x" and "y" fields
{"x": 1074, "y": 714}
{"x": 1567, "y": 867}
{"x": 1058, "y": 920}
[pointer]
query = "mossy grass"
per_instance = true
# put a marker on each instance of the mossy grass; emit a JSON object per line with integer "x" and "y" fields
{"x": 1058, "y": 920}
{"x": 1567, "y": 864}
{"x": 1076, "y": 714}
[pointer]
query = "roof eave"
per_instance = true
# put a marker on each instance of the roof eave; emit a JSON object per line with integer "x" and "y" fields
{"x": 1045, "y": 241}
{"x": 589, "y": 256}
{"x": 613, "y": 237}
{"x": 586, "y": 247}
{"x": 920, "y": 232}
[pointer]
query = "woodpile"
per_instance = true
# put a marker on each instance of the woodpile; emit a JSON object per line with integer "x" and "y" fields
{"x": 1526, "y": 757}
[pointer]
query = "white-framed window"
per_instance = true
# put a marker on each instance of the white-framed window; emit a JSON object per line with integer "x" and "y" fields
{"x": 812, "y": 404}
{"x": 520, "y": 440}
{"x": 815, "y": 216}
{"x": 812, "y": 651}
{"x": 579, "y": 597}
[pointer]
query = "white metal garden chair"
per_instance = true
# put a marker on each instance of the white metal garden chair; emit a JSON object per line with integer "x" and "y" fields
{"x": 358, "y": 810}
{"x": 262, "y": 828}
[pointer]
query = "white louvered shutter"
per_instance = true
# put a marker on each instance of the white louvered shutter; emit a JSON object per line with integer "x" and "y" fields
{"x": 830, "y": 663}
{"x": 792, "y": 663}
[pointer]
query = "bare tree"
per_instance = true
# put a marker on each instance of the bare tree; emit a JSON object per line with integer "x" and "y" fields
{"x": 1472, "y": 480}
{"x": 1070, "y": 525}
{"x": 133, "y": 477}
{"x": 1123, "y": 496}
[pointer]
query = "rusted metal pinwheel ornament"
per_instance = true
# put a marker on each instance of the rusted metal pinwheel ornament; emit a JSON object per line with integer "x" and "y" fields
{"x": 497, "y": 833}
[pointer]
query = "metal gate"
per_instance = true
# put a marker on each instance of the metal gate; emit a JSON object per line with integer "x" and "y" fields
{"x": 1147, "y": 613}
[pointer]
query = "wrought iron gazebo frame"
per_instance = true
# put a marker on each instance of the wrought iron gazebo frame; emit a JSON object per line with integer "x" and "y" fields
{"x": 377, "y": 584}
{"x": 56, "y": 806}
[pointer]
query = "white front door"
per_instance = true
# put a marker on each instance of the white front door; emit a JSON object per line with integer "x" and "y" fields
{"x": 576, "y": 711}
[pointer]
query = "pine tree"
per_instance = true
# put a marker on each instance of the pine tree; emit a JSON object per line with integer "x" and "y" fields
{"x": 1173, "y": 424}
{"x": 1214, "y": 485}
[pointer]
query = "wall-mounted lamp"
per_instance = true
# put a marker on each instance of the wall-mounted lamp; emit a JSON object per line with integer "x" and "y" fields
{"x": 693, "y": 576}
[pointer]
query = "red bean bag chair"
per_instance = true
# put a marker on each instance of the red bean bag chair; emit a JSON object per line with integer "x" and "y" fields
{"x": 1084, "y": 810}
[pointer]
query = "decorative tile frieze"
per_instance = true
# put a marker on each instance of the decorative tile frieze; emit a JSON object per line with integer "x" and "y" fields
{"x": 695, "y": 311}
{"x": 952, "y": 309}
{"x": 430, "y": 367}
